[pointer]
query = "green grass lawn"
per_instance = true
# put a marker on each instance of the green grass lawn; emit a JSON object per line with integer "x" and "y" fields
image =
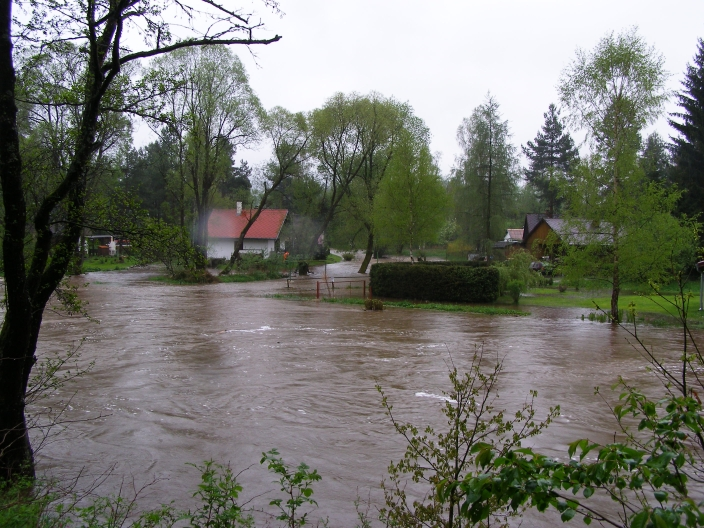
{"x": 649, "y": 308}
{"x": 108, "y": 263}
{"x": 331, "y": 259}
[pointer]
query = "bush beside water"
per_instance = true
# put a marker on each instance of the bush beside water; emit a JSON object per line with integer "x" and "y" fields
{"x": 464, "y": 283}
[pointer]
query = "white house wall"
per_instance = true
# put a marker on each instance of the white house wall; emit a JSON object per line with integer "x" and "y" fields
{"x": 223, "y": 247}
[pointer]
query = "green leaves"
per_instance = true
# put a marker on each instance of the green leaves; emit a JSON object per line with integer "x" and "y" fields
{"x": 295, "y": 483}
{"x": 474, "y": 467}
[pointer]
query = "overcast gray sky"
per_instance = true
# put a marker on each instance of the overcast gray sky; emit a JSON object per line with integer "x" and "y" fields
{"x": 443, "y": 56}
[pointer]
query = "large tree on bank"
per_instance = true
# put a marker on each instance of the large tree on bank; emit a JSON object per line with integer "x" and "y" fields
{"x": 212, "y": 112}
{"x": 487, "y": 174}
{"x": 380, "y": 123}
{"x": 613, "y": 92}
{"x": 37, "y": 250}
{"x": 550, "y": 158}
{"x": 688, "y": 149}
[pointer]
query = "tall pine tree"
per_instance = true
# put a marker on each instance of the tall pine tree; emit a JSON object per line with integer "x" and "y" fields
{"x": 656, "y": 160}
{"x": 550, "y": 157}
{"x": 688, "y": 147}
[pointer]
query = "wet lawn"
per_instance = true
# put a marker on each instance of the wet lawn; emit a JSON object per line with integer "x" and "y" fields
{"x": 649, "y": 307}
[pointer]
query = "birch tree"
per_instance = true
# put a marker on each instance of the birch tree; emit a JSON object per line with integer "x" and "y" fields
{"x": 613, "y": 92}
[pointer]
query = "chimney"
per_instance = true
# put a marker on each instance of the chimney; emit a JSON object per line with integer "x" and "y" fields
{"x": 239, "y": 208}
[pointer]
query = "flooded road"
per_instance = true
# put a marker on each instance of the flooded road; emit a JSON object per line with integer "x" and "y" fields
{"x": 189, "y": 373}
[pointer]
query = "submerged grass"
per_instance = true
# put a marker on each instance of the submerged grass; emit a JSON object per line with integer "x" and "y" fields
{"x": 650, "y": 308}
{"x": 358, "y": 301}
{"x": 486, "y": 310}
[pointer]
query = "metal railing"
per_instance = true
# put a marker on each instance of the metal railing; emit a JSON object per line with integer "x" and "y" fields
{"x": 331, "y": 286}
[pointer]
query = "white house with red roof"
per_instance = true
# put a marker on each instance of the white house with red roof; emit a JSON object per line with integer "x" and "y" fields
{"x": 225, "y": 226}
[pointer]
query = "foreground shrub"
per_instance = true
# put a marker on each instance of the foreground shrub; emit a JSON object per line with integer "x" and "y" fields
{"x": 435, "y": 282}
{"x": 651, "y": 474}
{"x": 40, "y": 504}
{"x": 473, "y": 428}
{"x": 373, "y": 304}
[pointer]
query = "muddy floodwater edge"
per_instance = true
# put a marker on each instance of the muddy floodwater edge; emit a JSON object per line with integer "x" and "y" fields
{"x": 226, "y": 372}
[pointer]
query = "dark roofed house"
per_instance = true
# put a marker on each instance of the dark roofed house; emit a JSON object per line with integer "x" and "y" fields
{"x": 225, "y": 226}
{"x": 577, "y": 232}
{"x": 530, "y": 223}
{"x": 537, "y": 229}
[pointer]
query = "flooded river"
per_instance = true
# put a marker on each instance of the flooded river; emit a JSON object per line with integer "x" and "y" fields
{"x": 189, "y": 373}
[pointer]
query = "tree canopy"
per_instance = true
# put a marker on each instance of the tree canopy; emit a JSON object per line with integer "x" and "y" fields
{"x": 487, "y": 174}
{"x": 109, "y": 37}
{"x": 688, "y": 145}
{"x": 551, "y": 156}
{"x": 613, "y": 92}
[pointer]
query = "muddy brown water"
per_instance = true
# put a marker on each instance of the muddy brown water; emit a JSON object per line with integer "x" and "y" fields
{"x": 188, "y": 373}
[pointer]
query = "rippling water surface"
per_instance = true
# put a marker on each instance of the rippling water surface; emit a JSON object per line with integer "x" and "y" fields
{"x": 188, "y": 373}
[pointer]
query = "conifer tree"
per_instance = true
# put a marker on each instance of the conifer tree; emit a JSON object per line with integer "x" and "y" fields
{"x": 655, "y": 160}
{"x": 688, "y": 148}
{"x": 550, "y": 157}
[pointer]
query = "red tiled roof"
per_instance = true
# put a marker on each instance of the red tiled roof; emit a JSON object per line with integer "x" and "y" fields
{"x": 224, "y": 223}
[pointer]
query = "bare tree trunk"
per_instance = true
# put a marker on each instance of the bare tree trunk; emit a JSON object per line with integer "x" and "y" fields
{"x": 368, "y": 255}
{"x": 239, "y": 243}
{"x": 616, "y": 280}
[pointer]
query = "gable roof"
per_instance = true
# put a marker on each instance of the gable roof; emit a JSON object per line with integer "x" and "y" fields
{"x": 514, "y": 234}
{"x": 577, "y": 232}
{"x": 531, "y": 222}
{"x": 225, "y": 223}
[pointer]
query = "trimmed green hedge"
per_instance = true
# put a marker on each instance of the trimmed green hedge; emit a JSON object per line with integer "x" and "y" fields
{"x": 421, "y": 282}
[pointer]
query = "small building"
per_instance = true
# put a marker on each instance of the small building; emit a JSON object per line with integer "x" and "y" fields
{"x": 514, "y": 236}
{"x": 511, "y": 241}
{"x": 542, "y": 235}
{"x": 105, "y": 245}
{"x": 537, "y": 231}
{"x": 226, "y": 225}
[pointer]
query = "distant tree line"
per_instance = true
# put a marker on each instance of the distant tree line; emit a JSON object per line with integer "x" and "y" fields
{"x": 356, "y": 173}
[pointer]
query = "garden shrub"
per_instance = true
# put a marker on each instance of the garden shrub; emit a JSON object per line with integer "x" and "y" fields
{"x": 303, "y": 267}
{"x": 373, "y": 304}
{"x": 256, "y": 264}
{"x": 195, "y": 276}
{"x": 518, "y": 268}
{"x": 465, "y": 283}
{"x": 514, "y": 289}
